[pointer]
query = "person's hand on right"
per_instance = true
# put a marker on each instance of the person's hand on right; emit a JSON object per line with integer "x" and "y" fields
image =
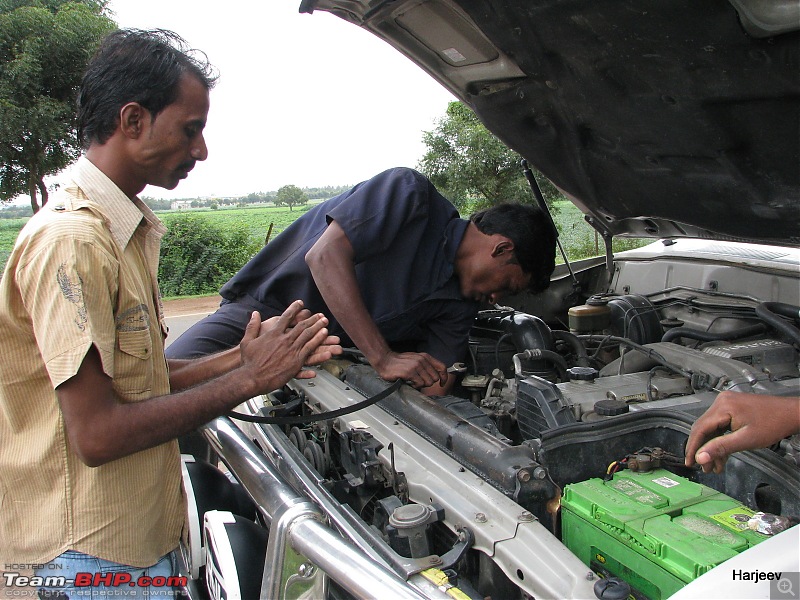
{"x": 755, "y": 421}
{"x": 274, "y": 351}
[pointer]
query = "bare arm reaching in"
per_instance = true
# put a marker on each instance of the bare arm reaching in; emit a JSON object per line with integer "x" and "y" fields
{"x": 755, "y": 420}
{"x": 331, "y": 264}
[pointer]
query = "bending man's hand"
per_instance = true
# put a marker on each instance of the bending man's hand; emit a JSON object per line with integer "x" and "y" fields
{"x": 755, "y": 420}
{"x": 274, "y": 351}
{"x": 420, "y": 370}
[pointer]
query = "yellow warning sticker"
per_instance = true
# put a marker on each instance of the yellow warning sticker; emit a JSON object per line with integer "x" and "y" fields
{"x": 734, "y": 518}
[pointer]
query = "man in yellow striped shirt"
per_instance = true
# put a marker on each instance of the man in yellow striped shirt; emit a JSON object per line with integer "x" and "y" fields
{"x": 90, "y": 409}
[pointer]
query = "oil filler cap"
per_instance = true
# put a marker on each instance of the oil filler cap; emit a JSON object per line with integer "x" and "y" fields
{"x": 582, "y": 373}
{"x": 611, "y": 588}
{"x": 611, "y": 408}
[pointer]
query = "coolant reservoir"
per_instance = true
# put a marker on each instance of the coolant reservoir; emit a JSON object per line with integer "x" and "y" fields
{"x": 592, "y": 317}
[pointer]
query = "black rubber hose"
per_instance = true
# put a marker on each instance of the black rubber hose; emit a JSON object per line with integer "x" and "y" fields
{"x": 576, "y": 343}
{"x": 707, "y": 336}
{"x": 769, "y": 311}
{"x": 528, "y": 331}
{"x": 781, "y": 308}
{"x": 553, "y": 357}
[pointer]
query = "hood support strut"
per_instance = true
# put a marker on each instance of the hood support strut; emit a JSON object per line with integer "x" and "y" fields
{"x": 537, "y": 193}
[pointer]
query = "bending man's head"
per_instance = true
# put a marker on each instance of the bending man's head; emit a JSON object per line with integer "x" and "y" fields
{"x": 135, "y": 66}
{"x": 532, "y": 234}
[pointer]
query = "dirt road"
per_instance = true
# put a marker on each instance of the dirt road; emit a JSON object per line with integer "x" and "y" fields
{"x": 190, "y": 306}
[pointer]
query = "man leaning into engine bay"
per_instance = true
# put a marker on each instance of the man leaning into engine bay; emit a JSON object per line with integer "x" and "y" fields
{"x": 395, "y": 269}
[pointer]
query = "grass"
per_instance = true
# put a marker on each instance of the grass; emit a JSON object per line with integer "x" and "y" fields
{"x": 256, "y": 219}
{"x": 9, "y": 229}
{"x": 577, "y": 237}
{"x": 580, "y": 240}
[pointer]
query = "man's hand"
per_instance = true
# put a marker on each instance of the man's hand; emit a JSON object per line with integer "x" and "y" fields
{"x": 755, "y": 420}
{"x": 328, "y": 348}
{"x": 420, "y": 370}
{"x": 274, "y": 351}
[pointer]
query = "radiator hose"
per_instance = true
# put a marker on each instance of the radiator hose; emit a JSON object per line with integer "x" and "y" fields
{"x": 769, "y": 313}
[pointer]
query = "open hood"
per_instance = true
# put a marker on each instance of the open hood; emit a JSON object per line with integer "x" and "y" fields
{"x": 675, "y": 118}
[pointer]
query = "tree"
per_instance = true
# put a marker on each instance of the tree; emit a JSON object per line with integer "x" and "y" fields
{"x": 290, "y": 195}
{"x": 198, "y": 255}
{"x": 45, "y": 46}
{"x": 473, "y": 168}
{"x": 156, "y": 203}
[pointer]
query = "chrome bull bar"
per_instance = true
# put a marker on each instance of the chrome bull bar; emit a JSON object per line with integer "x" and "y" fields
{"x": 302, "y": 550}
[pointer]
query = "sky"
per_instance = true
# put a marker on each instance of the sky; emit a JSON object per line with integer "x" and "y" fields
{"x": 306, "y": 100}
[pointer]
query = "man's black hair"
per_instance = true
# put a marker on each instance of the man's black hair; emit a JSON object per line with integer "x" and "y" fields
{"x": 133, "y": 65}
{"x": 532, "y": 234}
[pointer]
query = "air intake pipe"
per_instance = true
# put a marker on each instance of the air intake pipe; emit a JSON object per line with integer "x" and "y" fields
{"x": 769, "y": 313}
{"x": 707, "y": 336}
{"x": 529, "y": 333}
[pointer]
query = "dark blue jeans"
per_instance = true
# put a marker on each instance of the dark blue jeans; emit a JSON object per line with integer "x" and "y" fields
{"x": 214, "y": 333}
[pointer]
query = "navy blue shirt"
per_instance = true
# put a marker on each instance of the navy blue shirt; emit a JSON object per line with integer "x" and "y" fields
{"x": 405, "y": 235}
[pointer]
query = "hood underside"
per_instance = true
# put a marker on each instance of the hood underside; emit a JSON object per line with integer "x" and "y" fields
{"x": 659, "y": 119}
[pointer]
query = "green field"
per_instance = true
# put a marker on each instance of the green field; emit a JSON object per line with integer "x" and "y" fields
{"x": 576, "y": 236}
{"x": 9, "y": 228}
{"x": 256, "y": 219}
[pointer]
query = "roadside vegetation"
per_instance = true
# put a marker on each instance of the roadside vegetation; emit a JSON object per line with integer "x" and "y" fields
{"x": 210, "y": 239}
{"x": 204, "y": 247}
{"x": 44, "y": 48}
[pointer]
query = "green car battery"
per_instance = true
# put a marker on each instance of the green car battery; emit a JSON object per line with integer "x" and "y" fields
{"x": 657, "y": 531}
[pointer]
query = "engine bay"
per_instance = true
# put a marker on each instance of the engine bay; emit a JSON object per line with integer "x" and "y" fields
{"x": 474, "y": 488}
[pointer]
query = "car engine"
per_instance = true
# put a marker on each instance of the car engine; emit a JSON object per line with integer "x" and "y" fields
{"x": 599, "y": 377}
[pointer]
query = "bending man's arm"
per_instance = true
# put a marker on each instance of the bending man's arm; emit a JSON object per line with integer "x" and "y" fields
{"x": 755, "y": 421}
{"x": 100, "y": 428}
{"x": 331, "y": 262}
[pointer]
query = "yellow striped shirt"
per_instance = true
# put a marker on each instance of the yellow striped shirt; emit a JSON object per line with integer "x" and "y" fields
{"x": 82, "y": 272}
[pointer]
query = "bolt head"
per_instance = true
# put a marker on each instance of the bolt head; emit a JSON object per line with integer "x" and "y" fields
{"x": 306, "y": 570}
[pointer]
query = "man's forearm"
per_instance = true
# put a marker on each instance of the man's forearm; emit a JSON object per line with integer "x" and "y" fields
{"x": 185, "y": 373}
{"x": 331, "y": 263}
{"x": 346, "y": 304}
{"x": 102, "y": 429}
{"x": 162, "y": 419}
